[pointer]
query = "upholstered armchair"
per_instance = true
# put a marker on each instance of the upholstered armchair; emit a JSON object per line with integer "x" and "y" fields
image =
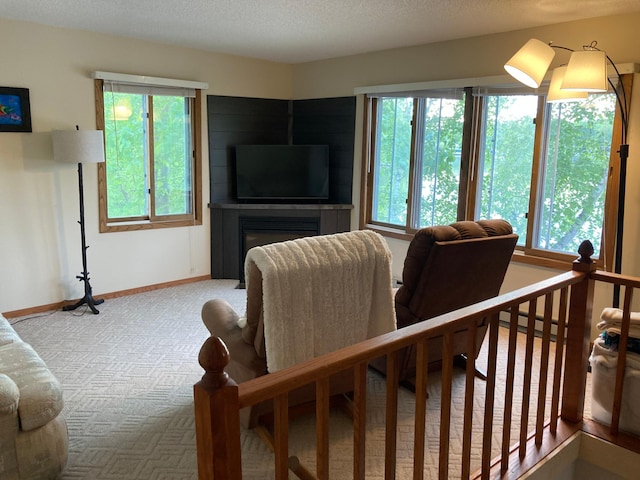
{"x": 448, "y": 267}
{"x": 305, "y": 297}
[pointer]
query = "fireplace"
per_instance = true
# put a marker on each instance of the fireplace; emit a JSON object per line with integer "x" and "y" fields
{"x": 236, "y": 227}
{"x": 258, "y": 231}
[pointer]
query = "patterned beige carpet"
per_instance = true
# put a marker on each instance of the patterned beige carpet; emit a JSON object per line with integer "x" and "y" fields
{"x": 128, "y": 375}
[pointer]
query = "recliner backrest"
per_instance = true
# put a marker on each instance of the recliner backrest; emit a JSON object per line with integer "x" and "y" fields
{"x": 453, "y": 266}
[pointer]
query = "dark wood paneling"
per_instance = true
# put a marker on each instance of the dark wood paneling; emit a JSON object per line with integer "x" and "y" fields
{"x": 329, "y": 121}
{"x": 254, "y": 121}
{"x": 246, "y": 121}
{"x": 246, "y": 105}
{"x": 237, "y": 121}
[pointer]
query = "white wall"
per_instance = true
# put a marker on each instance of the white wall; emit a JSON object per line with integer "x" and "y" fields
{"x": 40, "y": 252}
{"x": 480, "y": 57}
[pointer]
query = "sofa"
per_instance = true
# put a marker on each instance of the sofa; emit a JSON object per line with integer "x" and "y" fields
{"x": 33, "y": 434}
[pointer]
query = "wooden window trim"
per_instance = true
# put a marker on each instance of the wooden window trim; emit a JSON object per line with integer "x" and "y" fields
{"x": 526, "y": 254}
{"x": 128, "y": 225}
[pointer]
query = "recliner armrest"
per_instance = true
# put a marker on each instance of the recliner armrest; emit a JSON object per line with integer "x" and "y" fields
{"x": 219, "y": 317}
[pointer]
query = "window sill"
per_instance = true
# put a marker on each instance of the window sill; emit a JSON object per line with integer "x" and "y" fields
{"x": 389, "y": 231}
{"x": 135, "y": 226}
{"x": 519, "y": 256}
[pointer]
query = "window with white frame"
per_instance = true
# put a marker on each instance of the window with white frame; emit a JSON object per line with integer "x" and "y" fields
{"x": 151, "y": 177}
{"x": 492, "y": 153}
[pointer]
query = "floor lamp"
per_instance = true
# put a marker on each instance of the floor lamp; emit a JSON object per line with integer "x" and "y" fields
{"x": 586, "y": 72}
{"x": 80, "y": 146}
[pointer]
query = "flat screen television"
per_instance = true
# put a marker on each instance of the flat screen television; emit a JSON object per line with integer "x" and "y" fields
{"x": 282, "y": 172}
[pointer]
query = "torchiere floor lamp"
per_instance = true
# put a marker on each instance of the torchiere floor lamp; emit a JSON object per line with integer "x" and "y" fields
{"x": 80, "y": 146}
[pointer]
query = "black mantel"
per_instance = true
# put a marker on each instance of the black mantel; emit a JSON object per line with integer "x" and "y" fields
{"x": 228, "y": 219}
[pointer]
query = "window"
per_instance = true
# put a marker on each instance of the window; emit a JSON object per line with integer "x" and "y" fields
{"x": 505, "y": 159}
{"x": 493, "y": 153}
{"x": 152, "y": 174}
{"x": 573, "y": 181}
{"x": 435, "y": 143}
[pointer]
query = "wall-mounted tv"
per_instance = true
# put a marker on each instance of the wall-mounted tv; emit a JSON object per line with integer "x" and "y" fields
{"x": 282, "y": 172}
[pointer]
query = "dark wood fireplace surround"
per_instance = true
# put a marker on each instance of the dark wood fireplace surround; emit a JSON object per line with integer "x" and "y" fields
{"x": 237, "y": 120}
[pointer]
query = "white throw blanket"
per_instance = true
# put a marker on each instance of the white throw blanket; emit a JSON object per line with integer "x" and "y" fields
{"x": 322, "y": 293}
{"x": 611, "y": 321}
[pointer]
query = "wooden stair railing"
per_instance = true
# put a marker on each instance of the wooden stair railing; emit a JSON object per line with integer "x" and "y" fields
{"x": 561, "y": 373}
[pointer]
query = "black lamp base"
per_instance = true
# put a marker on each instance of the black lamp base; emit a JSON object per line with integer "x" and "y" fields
{"x": 89, "y": 300}
{"x": 88, "y": 296}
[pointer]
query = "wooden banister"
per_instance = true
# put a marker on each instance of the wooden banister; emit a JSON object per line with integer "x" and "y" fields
{"x": 269, "y": 386}
{"x": 560, "y": 371}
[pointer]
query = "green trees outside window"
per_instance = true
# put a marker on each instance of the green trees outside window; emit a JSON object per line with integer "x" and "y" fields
{"x": 149, "y": 156}
{"x": 506, "y": 160}
{"x": 574, "y": 181}
{"x": 437, "y": 167}
{"x": 541, "y": 166}
{"x": 392, "y": 160}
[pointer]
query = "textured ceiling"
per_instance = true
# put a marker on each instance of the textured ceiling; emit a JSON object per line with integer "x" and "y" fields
{"x": 295, "y": 31}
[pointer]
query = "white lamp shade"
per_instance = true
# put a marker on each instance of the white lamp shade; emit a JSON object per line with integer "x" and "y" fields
{"x": 586, "y": 71}
{"x": 78, "y": 146}
{"x": 555, "y": 94}
{"x": 530, "y": 64}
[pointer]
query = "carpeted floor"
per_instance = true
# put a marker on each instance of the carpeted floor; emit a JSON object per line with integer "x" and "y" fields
{"x": 128, "y": 375}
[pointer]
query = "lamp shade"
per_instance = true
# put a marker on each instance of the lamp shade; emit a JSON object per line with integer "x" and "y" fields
{"x": 78, "y": 146}
{"x": 530, "y": 63}
{"x": 586, "y": 71}
{"x": 555, "y": 94}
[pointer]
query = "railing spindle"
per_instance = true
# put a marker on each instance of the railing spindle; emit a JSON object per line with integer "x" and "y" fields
{"x": 526, "y": 386}
{"x": 445, "y": 404}
{"x": 508, "y": 396}
{"x": 359, "y": 420}
{"x": 281, "y": 436}
{"x": 544, "y": 367}
{"x": 322, "y": 428}
{"x": 557, "y": 370}
{"x": 391, "y": 418}
{"x": 468, "y": 400}
{"x": 421, "y": 410}
{"x": 489, "y": 400}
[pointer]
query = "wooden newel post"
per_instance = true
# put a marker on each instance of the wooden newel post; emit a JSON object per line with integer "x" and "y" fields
{"x": 578, "y": 337}
{"x": 217, "y": 416}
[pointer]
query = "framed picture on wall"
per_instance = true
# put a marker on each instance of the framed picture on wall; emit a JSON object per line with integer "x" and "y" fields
{"x": 15, "y": 112}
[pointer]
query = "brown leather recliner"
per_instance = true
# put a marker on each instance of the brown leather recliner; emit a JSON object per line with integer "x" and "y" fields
{"x": 447, "y": 268}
